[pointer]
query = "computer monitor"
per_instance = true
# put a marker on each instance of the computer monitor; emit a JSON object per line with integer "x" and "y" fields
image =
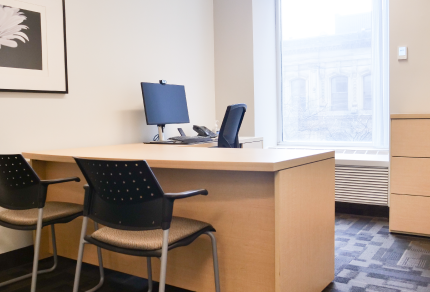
{"x": 164, "y": 104}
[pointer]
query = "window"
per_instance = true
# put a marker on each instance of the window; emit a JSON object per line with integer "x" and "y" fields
{"x": 334, "y": 68}
{"x": 298, "y": 94}
{"x": 367, "y": 93}
{"x": 298, "y": 101}
{"x": 339, "y": 93}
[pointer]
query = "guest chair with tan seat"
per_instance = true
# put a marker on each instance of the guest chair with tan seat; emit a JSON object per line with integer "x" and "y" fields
{"x": 126, "y": 197}
{"x": 23, "y": 195}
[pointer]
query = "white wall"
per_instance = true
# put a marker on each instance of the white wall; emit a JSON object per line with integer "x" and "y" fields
{"x": 409, "y": 85}
{"x": 234, "y": 68}
{"x": 245, "y": 64}
{"x": 112, "y": 47}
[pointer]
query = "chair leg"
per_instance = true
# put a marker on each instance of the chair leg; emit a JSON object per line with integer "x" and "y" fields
{"x": 54, "y": 247}
{"x": 80, "y": 255}
{"x": 102, "y": 273}
{"x": 164, "y": 260}
{"x": 149, "y": 268}
{"x": 215, "y": 259}
{"x": 36, "y": 250}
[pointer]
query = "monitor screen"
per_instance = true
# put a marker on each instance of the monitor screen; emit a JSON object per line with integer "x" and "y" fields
{"x": 165, "y": 104}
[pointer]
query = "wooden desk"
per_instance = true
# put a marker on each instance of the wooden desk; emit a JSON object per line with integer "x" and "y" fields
{"x": 273, "y": 210}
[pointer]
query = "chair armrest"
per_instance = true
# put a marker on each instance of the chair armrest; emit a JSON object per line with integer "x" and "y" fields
{"x": 44, "y": 184}
{"x": 168, "y": 204}
{"x": 186, "y": 194}
{"x": 60, "y": 180}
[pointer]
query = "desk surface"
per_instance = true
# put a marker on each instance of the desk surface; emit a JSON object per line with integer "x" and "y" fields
{"x": 168, "y": 156}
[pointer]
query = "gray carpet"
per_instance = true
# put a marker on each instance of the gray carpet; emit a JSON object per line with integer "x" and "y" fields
{"x": 369, "y": 258}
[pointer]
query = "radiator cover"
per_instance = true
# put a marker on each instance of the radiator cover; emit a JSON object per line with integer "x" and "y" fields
{"x": 362, "y": 184}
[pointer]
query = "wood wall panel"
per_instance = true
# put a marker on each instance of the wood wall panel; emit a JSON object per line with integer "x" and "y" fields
{"x": 410, "y": 137}
{"x": 410, "y": 176}
{"x": 410, "y": 214}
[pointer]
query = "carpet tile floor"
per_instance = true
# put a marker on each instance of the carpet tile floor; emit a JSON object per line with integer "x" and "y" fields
{"x": 368, "y": 258}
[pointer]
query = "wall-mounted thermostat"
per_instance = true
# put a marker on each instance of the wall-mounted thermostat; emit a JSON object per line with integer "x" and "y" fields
{"x": 403, "y": 53}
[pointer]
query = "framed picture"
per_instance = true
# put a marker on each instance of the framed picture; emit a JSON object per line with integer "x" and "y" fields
{"x": 33, "y": 54}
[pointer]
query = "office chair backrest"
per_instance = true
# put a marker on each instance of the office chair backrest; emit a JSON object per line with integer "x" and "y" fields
{"x": 123, "y": 194}
{"x": 229, "y": 133}
{"x": 19, "y": 184}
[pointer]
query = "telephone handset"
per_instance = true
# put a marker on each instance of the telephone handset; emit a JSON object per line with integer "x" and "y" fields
{"x": 203, "y": 131}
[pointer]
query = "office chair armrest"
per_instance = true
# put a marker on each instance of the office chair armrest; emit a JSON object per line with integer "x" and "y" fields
{"x": 186, "y": 194}
{"x": 59, "y": 180}
{"x": 168, "y": 205}
{"x": 44, "y": 184}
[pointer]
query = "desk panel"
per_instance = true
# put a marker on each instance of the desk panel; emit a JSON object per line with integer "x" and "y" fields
{"x": 305, "y": 224}
{"x": 274, "y": 228}
{"x": 241, "y": 207}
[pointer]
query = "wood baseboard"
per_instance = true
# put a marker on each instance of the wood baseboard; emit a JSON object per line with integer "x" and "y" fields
{"x": 362, "y": 209}
{"x": 17, "y": 257}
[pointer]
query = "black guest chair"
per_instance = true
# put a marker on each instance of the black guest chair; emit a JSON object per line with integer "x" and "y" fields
{"x": 126, "y": 197}
{"x": 229, "y": 133}
{"x": 23, "y": 195}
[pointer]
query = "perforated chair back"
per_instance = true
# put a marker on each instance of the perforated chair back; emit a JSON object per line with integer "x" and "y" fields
{"x": 229, "y": 133}
{"x": 19, "y": 184}
{"x": 124, "y": 194}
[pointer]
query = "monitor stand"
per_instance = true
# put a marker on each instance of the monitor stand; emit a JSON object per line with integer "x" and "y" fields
{"x": 161, "y": 133}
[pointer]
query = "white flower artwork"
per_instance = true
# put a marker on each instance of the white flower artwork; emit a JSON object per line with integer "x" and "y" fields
{"x": 10, "y": 26}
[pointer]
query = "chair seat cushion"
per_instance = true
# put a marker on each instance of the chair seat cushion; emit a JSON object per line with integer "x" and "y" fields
{"x": 180, "y": 228}
{"x": 51, "y": 211}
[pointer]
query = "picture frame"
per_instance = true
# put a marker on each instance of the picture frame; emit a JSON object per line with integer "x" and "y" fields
{"x": 33, "y": 47}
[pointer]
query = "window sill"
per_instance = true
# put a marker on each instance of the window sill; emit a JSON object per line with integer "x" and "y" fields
{"x": 352, "y": 156}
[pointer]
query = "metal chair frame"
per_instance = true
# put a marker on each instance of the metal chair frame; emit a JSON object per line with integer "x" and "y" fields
{"x": 34, "y": 190}
{"x": 145, "y": 207}
{"x": 148, "y": 261}
{"x": 35, "y": 272}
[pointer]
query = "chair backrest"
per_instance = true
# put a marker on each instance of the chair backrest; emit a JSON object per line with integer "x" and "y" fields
{"x": 124, "y": 194}
{"x": 19, "y": 184}
{"x": 229, "y": 133}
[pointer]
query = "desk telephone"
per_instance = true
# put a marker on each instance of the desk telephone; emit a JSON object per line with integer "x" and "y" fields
{"x": 204, "y": 135}
{"x": 203, "y": 131}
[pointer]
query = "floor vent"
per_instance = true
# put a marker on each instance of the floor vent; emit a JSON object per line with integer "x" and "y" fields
{"x": 362, "y": 184}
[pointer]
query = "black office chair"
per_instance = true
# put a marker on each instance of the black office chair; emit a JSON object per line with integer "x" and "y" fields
{"x": 126, "y": 197}
{"x": 23, "y": 195}
{"x": 229, "y": 133}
